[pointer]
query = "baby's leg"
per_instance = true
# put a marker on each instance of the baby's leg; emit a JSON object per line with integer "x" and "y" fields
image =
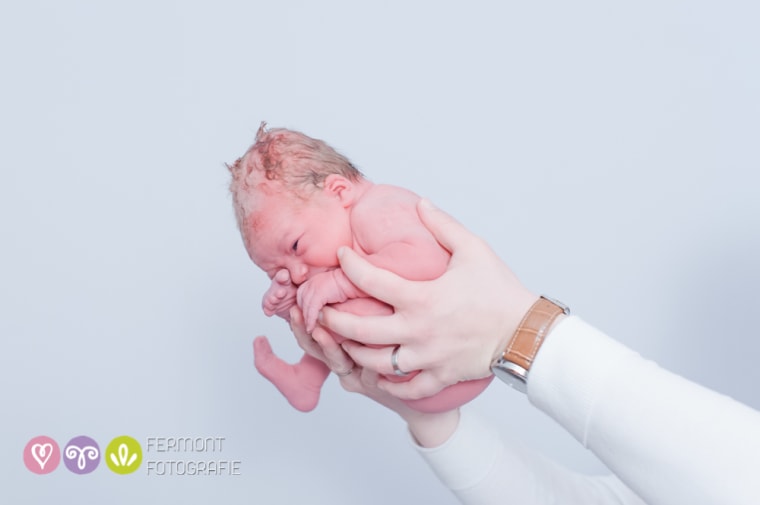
{"x": 300, "y": 384}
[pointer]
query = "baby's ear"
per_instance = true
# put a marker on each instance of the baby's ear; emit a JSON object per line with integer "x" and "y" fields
{"x": 340, "y": 187}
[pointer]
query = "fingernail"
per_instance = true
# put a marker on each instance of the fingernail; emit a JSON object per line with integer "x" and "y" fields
{"x": 320, "y": 317}
{"x": 341, "y": 250}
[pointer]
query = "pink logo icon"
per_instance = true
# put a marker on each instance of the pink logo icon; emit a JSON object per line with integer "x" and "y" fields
{"x": 42, "y": 455}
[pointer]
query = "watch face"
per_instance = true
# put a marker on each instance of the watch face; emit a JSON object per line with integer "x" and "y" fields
{"x": 514, "y": 375}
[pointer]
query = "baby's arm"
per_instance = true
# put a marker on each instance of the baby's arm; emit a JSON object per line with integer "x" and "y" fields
{"x": 326, "y": 287}
{"x": 389, "y": 232}
{"x": 280, "y": 296}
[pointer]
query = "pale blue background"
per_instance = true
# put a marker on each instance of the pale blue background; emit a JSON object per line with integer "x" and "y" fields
{"x": 608, "y": 151}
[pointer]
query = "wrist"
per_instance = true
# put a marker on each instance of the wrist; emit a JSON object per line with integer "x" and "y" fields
{"x": 345, "y": 287}
{"x": 512, "y": 318}
{"x": 432, "y": 430}
{"x": 516, "y": 360}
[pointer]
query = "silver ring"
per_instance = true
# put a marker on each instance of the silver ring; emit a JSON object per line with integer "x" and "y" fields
{"x": 343, "y": 374}
{"x": 394, "y": 363}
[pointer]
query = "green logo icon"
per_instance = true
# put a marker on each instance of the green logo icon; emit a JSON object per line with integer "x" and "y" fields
{"x": 123, "y": 455}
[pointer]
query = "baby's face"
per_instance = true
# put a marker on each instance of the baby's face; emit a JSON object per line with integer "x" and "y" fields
{"x": 300, "y": 236}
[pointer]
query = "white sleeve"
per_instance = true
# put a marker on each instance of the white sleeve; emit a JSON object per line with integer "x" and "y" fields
{"x": 671, "y": 441}
{"x": 481, "y": 468}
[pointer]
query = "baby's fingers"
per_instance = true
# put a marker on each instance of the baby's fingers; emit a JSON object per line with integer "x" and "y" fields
{"x": 310, "y": 316}
{"x": 309, "y": 308}
{"x": 381, "y": 284}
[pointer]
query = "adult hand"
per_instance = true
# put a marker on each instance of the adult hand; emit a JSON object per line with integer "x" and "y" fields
{"x": 429, "y": 430}
{"x": 450, "y": 328}
{"x": 319, "y": 344}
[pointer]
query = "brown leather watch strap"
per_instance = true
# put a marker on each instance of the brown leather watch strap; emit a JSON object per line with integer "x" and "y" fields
{"x": 530, "y": 334}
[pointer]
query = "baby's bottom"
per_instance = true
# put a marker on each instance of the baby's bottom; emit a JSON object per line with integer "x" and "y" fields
{"x": 447, "y": 399}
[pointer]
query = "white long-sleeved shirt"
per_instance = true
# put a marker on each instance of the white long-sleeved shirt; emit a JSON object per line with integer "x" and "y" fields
{"x": 668, "y": 441}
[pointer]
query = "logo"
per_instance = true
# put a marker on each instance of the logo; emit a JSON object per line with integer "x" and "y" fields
{"x": 81, "y": 455}
{"x": 42, "y": 455}
{"x": 166, "y": 456}
{"x": 123, "y": 455}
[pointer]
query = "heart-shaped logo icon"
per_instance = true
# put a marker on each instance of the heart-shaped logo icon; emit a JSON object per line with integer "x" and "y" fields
{"x": 42, "y": 455}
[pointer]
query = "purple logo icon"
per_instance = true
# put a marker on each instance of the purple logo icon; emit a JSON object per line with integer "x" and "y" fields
{"x": 81, "y": 455}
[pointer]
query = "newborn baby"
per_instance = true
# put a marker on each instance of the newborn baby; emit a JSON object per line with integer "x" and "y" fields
{"x": 297, "y": 201}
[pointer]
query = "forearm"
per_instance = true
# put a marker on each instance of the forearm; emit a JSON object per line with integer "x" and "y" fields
{"x": 432, "y": 430}
{"x": 480, "y": 467}
{"x": 670, "y": 440}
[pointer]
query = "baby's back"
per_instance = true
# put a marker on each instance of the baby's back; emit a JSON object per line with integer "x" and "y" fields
{"x": 389, "y": 233}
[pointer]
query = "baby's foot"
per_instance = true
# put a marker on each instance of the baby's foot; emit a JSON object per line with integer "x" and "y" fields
{"x": 300, "y": 384}
{"x": 280, "y": 296}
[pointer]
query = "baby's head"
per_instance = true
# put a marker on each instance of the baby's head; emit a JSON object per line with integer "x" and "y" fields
{"x": 291, "y": 195}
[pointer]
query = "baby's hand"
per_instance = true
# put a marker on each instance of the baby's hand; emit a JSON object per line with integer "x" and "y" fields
{"x": 280, "y": 296}
{"x": 317, "y": 292}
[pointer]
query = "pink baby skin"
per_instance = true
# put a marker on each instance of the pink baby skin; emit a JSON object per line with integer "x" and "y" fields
{"x": 297, "y": 201}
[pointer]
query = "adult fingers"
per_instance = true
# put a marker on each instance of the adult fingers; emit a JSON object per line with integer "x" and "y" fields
{"x": 447, "y": 231}
{"x": 338, "y": 361}
{"x": 369, "y": 377}
{"x": 376, "y": 282}
{"x": 376, "y": 330}
{"x": 352, "y": 382}
{"x": 304, "y": 340}
{"x": 424, "y": 384}
{"x": 377, "y": 359}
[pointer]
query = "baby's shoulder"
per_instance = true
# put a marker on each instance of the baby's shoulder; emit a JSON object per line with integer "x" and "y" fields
{"x": 387, "y": 197}
{"x": 384, "y": 214}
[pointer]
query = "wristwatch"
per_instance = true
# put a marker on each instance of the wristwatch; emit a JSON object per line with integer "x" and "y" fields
{"x": 514, "y": 363}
